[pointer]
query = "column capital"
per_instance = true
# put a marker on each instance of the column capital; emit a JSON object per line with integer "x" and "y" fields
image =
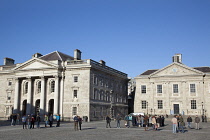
{"x": 56, "y": 76}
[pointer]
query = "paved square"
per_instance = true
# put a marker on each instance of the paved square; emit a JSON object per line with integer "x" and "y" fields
{"x": 98, "y": 131}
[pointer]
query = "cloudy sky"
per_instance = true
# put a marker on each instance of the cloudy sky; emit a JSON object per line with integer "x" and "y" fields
{"x": 130, "y": 35}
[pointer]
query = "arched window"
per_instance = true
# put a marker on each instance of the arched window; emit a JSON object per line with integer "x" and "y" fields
{"x": 52, "y": 86}
{"x": 39, "y": 87}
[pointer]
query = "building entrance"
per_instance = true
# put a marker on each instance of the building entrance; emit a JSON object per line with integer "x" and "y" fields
{"x": 24, "y": 107}
{"x": 176, "y": 108}
{"x": 51, "y": 106}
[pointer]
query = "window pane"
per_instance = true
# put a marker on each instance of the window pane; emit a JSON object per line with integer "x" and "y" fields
{"x": 160, "y": 104}
{"x": 143, "y": 104}
{"x": 159, "y": 88}
{"x": 143, "y": 89}
{"x": 74, "y": 111}
{"x": 192, "y": 88}
{"x": 193, "y": 104}
{"x": 75, "y": 93}
{"x": 75, "y": 78}
{"x": 175, "y": 88}
{"x": 52, "y": 86}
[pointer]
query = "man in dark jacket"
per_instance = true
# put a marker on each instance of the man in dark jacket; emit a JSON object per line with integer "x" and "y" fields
{"x": 108, "y": 120}
{"x": 197, "y": 121}
{"x": 189, "y": 121}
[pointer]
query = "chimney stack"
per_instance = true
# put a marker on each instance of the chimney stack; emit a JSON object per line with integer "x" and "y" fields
{"x": 102, "y": 62}
{"x": 9, "y": 61}
{"x": 177, "y": 58}
{"x": 36, "y": 55}
{"x": 77, "y": 54}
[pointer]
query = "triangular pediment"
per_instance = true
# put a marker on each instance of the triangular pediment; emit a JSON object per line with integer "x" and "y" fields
{"x": 176, "y": 69}
{"x": 35, "y": 63}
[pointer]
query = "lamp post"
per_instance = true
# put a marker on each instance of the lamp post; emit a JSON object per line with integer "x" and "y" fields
{"x": 151, "y": 111}
{"x": 202, "y": 109}
{"x": 111, "y": 104}
{"x": 147, "y": 107}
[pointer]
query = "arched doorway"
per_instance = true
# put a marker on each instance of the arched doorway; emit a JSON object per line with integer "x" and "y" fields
{"x": 37, "y": 107}
{"x": 51, "y": 106}
{"x": 24, "y": 106}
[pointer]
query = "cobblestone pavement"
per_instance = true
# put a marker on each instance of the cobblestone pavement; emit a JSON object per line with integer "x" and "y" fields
{"x": 98, "y": 131}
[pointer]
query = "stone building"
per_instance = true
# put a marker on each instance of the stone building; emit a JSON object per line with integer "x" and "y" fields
{"x": 174, "y": 89}
{"x": 57, "y": 83}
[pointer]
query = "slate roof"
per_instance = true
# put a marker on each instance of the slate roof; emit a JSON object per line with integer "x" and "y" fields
{"x": 148, "y": 72}
{"x": 56, "y": 56}
{"x": 202, "y": 69}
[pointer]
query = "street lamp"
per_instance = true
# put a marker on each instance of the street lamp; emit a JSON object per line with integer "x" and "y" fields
{"x": 151, "y": 111}
{"x": 147, "y": 107}
{"x": 202, "y": 109}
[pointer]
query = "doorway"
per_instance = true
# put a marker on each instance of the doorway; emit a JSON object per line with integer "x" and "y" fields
{"x": 37, "y": 107}
{"x": 176, "y": 108}
{"x": 24, "y": 106}
{"x": 51, "y": 106}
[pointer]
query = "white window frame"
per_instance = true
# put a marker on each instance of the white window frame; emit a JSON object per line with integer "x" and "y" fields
{"x": 143, "y": 89}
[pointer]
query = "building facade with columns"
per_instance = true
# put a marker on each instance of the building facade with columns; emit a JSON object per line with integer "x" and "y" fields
{"x": 174, "y": 89}
{"x": 57, "y": 83}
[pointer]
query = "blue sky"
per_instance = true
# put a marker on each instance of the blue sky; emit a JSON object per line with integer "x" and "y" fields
{"x": 130, "y": 35}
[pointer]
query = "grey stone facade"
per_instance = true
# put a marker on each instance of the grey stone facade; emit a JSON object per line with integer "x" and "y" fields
{"x": 60, "y": 84}
{"x": 174, "y": 89}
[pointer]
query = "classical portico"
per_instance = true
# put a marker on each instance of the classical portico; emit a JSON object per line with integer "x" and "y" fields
{"x": 28, "y": 89}
{"x": 57, "y": 83}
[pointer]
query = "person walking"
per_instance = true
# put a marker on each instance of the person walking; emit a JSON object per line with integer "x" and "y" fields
{"x": 154, "y": 123}
{"x": 182, "y": 124}
{"x": 189, "y": 121}
{"x": 118, "y": 118}
{"x": 58, "y": 120}
{"x": 108, "y": 120}
{"x": 76, "y": 119}
{"x": 80, "y": 122}
{"x": 24, "y": 119}
{"x": 18, "y": 119}
{"x": 146, "y": 119}
{"x": 38, "y": 119}
{"x": 51, "y": 120}
{"x": 32, "y": 122}
{"x": 174, "y": 122}
{"x": 29, "y": 121}
{"x": 197, "y": 121}
{"x": 46, "y": 119}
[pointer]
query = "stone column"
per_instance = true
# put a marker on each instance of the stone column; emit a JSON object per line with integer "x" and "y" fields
{"x": 16, "y": 97}
{"x": 61, "y": 96}
{"x": 42, "y": 97}
{"x": 29, "y": 97}
{"x": 56, "y": 96}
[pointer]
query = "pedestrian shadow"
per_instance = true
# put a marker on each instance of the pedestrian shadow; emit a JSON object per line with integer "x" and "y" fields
{"x": 89, "y": 128}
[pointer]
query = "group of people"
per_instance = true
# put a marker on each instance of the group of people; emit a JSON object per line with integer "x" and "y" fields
{"x": 77, "y": 122}
{"x": 28, "y": 121}
{"x": 179, "y": 124}
{"x": 15, "y": 119}
{"x": 145, "y": 121}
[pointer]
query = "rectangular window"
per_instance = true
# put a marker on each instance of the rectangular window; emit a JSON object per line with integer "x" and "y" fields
{"x": 159, "y": 88}
{"x": 75, "y": 93}
{"x": 75, "y": 78}
{"x": 192, "y": 88}
{"x": 8, "y": 96}
{"x": 74, "y": 111}
{"x": 143, "y": 104}
{"x": 175, "y": 88}
{"x": 143, "y": 89}
{"x": 7, "y": 111}
{"x": 9, "y": 83}
{"x": 193, "y": 104}
{"x": 160, "y": 104}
